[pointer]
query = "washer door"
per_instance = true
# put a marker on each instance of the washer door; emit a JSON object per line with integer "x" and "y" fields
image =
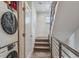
{"x": 12, "y": 54}
{"x": 9, "y": 22}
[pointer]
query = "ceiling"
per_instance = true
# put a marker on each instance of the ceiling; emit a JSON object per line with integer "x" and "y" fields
{"x": 42, "y": 6}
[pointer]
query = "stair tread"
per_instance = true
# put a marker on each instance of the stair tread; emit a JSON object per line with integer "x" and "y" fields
{"x": 42, "y": 47}
{"x": 41, "y": 43}
{"x": 42, "y": 39}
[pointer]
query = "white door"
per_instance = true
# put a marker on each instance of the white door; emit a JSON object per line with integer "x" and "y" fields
{"x": 28, "y": 36}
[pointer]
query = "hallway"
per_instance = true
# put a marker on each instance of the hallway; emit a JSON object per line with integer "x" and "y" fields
{"x": 39, "y": 29}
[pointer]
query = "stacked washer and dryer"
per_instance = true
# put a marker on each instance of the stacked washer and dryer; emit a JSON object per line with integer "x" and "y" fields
{"x": 8, "y": 32}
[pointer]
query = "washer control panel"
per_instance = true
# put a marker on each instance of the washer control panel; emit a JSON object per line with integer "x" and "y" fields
{"x": 11, "y": 46}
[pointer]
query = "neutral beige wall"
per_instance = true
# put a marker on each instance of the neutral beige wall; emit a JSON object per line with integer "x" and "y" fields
{"x": 42, "y": 28}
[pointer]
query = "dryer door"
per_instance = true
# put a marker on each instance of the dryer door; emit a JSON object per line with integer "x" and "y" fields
{"x": 12, "y": 54}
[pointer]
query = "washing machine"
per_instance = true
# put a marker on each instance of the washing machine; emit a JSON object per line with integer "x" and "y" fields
{"x": 8, "y": 25}
{"x": 9, "y": 51}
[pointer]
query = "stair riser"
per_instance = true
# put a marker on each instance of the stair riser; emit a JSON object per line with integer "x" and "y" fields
{"x": 35, "y": 49}
{"x": 42, "y": 48}
{"x": 41, "y": 40}
{"x": 41, "y": 44}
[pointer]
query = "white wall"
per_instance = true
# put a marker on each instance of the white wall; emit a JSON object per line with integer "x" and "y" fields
{"x": 42, "y": 28}
{"x": 34, "y": 19}
{"x": 66, "y": 19}
{"x": 27, "y": 30}
{"x": 75, "y": 39}
{"x": 66, "y": 25}
{"x": 72, "y": 41}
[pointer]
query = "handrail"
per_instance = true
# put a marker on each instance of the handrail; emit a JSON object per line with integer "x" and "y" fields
{"x": 69, "y": 48}
{"x": 76, "y": 53}
{"x": 66, "y": 53}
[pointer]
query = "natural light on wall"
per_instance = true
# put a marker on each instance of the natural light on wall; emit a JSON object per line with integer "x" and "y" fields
{"x": 47, "y": 19}
{"x": 27, "y": 20}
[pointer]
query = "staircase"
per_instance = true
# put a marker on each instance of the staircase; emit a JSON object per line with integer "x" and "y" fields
{"x": 41, "y": 49}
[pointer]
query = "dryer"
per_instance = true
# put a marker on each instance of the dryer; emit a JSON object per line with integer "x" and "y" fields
{"x": 8, "y": 34}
